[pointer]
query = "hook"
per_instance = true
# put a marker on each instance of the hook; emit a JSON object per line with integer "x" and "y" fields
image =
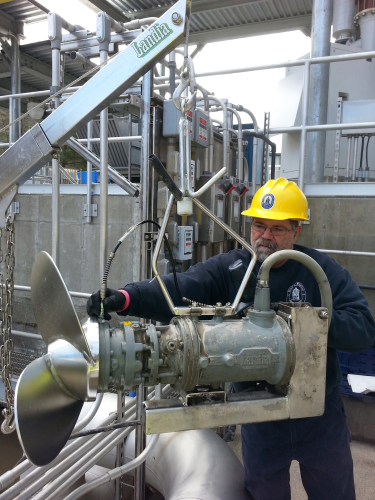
{"x": 9, "y": 424}
{"x": 178, "y": 98}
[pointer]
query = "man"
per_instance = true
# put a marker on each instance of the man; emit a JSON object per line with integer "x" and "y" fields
{"x": 320, "y": 444}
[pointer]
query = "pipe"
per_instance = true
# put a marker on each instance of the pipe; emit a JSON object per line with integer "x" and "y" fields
{"x": 9, "y": 477}
{"x": 58, "y": 464}
{"x": 327, "y": 127}
{"x": 240, "y": 172}
{"x": 61, "y": 483}
{"x": 90, "y": 415}
{"x": 172, "y": 72}
{"x": 348, "y": 252}
{"x": 92, "y": 455}
{"x": 38, "y": 93}
{"x": 319, "y": 81}
{"x": 221, "y": 103}
{"x": 262, "y": 292}
{"x": 90, "y": 125}
{"x": 15, "y": 130}
{"x": 191, "y": 464}
{"x": 270, "y": 143}
{"x": 55, "y": 167}
{"x": 255, "y": 147}
{"x": 156, "y": 254}
{"x": 140, "y": 449}
{"x": 115, "y": 177}
{"x": 115, "y": 473}
{"x": 96, "y": 140}
{"x": 284, "y": 64}
{"x": 305, "y": 103}
{"x": 146, "y": 187}
{"x": 355, "y": 157}
{"x": 348, "y": 158}
{"x": 79, "y": 295}
{"x": 103, "y": 215}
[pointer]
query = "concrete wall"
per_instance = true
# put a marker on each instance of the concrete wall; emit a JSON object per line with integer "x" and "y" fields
{"x": 339, "y": 223}
{"x": 79, "y": 253}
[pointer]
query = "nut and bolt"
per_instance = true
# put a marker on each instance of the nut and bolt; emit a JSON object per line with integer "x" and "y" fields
{"x": 323, "y": 314}
{"x": 176, "y": 19}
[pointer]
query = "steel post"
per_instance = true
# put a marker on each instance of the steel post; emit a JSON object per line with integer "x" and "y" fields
{"x": 15, "y": 87}
{"x": 302, "y": 154}
{"x": 89, "y": 171}
{"x": 140, "y": 445}
{"x": 55, "y": 169}
{"x": 356, "y": 137}
{"x": 319, "y": 82}
{"x": 146, "y": 187}
{"x": 348, "y": 157}
{"x": 103, "y": 222}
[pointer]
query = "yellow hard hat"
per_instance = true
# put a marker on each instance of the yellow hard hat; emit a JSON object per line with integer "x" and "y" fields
{"x": 279, "y": 199}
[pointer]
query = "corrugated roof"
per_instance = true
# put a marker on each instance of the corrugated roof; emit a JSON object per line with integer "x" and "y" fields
{"x": 24, "y": 11}
{"x": 214, "y": 20}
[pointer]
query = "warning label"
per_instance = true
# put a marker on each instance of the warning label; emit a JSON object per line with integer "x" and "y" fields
{"x": 202, "y": 129}
{"x": 189, "y": 117}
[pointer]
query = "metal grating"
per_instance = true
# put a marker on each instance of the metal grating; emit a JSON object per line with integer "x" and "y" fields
{"x": 24, "y": 11}
{"x": 214, "y": 20}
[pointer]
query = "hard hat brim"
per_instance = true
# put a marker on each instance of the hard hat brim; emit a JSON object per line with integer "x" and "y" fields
{"x": 253, "y": 212}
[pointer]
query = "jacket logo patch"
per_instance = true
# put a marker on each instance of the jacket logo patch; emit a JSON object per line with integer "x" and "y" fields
{"x": 296, "y": 293}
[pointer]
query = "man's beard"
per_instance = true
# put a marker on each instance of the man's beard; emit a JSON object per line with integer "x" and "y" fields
{"x": 263, "y": 253}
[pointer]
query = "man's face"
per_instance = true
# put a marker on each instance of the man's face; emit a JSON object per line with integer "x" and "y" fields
{"x": 269, "y": 236}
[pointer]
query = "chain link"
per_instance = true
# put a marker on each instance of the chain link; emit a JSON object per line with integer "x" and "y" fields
{"x": 6, "y": 319}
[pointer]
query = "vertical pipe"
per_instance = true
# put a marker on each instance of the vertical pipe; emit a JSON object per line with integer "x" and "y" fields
{"x": 355, "y": 157}
{"x": 55, "y": 169}
{"x": 103, "y": 180}
{"x": 15, "y": 87}
{"x": 145, "y": 177}
{"x": 348, "y": 159}
{"x": 140, "y": 444}
{"x": 204, "y": 252}
{"x": 11, "y": 109}
{"x": 130, "y": 119}
{"x": 319, "y": 82}
{"x": 89, "y": 171}
{"x": 302, "y": 152}
{"x": 172, "y": 72}
{"x": 158, "y": 392}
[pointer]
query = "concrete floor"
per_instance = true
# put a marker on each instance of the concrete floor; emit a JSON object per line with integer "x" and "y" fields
{"x": 364, "y": 469}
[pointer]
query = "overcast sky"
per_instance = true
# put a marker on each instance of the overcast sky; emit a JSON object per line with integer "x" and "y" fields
{"x": 255, "y": 90}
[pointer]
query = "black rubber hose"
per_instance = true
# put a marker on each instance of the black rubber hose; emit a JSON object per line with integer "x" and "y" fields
{"x": 165, "y": 177}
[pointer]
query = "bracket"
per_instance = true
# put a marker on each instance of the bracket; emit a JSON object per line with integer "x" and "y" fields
{"x": 14, "y": 208}
{"x": 93, "y": 210}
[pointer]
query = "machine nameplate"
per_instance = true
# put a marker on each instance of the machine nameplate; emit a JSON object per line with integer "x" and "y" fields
{"x": 249, "y": 358}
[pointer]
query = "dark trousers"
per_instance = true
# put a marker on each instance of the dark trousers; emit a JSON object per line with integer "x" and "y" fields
{"x": 319, "y": 444}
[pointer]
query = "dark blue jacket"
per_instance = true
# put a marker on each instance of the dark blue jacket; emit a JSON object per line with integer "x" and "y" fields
{"x": 352, "y": 328}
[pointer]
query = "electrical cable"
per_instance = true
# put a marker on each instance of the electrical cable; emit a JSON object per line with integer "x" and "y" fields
{"x": 103, "y": 287}
{"x": 98, "y": 430}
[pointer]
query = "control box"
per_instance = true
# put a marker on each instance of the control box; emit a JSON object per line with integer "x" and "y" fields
{"x": 183, "y": 250}
{"x": 171, "y": 120}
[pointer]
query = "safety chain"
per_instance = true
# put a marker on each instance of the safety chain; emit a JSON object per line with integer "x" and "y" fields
{"x": 6, "y": 319}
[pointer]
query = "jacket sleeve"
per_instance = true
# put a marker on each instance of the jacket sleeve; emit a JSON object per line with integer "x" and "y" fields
{"x": 203, "y": 283}
{"x": 352, "y": 328}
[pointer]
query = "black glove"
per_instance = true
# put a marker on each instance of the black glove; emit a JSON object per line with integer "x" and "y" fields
{"x": 113, "y": 302}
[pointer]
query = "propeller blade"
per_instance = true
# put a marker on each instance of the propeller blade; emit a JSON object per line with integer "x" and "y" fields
{"x": 53, "y": 308}
{"x": 45, "y": 413}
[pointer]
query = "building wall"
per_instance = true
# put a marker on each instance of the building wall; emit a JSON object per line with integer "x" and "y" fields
{"x": 79, "y": 248}
{"x": 339, "y": 223}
